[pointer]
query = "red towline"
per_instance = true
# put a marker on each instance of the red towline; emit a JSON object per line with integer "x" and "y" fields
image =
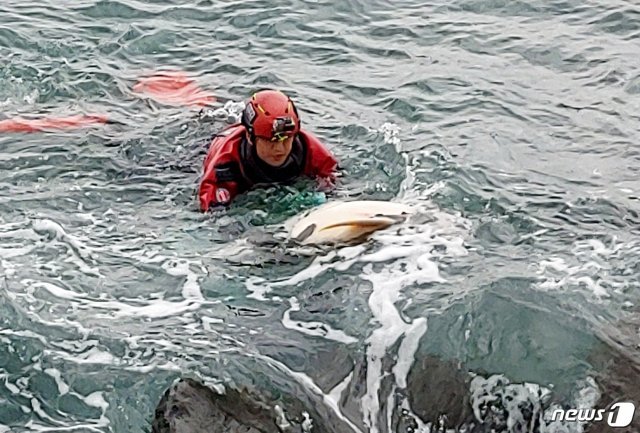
{"x": 21, "y": 124}
{"x": 173, "y": 88}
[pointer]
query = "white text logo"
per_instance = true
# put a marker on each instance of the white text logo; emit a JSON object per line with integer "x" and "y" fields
{"x": 620, "y": 414}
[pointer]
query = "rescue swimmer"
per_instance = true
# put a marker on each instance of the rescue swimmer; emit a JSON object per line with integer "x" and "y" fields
{"x": 268, "y": 146}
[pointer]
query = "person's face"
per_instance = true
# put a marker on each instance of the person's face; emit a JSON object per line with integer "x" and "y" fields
{"x": 274, "y": 153}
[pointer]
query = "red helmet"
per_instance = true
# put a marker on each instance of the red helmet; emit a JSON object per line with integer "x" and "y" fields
{"x": 272, "y": 115}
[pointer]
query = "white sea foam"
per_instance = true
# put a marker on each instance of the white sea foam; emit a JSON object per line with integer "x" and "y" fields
{"x": 55, "y": 290}
{"x": 309, "y": 384}
{"x": 314, "y": 328}
{"x": 63, "y": 387}
{"x": 409, "y": 259}
{"x": 404, "y": 257}
{"x": 596, "y": 269}
{"x": 191, "y": 288}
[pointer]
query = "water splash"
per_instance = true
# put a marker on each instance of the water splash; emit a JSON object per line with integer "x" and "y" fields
{"x": 231, "y": 112}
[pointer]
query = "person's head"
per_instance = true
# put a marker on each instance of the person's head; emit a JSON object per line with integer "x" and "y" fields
{"x": 272, "y": 122}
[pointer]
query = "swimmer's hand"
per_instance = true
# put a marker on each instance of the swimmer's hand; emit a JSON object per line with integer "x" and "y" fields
{"x": 326, "y": 184}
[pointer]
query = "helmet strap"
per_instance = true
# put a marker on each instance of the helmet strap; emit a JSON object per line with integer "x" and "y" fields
{"x": 248, "y": 116}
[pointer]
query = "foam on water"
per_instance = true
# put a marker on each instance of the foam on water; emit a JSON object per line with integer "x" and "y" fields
{"x": 13, "y": 251}
{"x": 314, "y": 328}
{"x": 13, "y": 388}
{"x": 81, "y": 253}
{"x": 408, "y": 259}
{"x": 309, "y": 384}
{"x": 55, "y": 290}
{"x": 91, "y": 356}
{"x": 523, "y": 408}
{"x": 257, "y": 288}
{"x": 230, "y": 112}
{"x": 60, "y": 303}
{"x": 490, "y": 395}
{"x": 191, "y": 288}
{"x": 8, "y": 268}
{"x": 397, "y": 258}
{"x": 307, "y": 424}
{"x": 152, "y": 308}
{"x": 595, "y": 269}
{"x": 408, "y": 348}
{"x": 281, "y": 419}
{"x": 319, "y": 265}
{"x": 36, "y": 427}
{"x": 96, "y": 399}
{"x": 336, "y": 393}
{"x": 88, "y": 260}
{"x": 390, "y": 132}
{"x": 36, "y": 407}
{"x": 63, "y": 388}
{"x": 23, "y": 333}
{"x": 18, "y": 240}
{"x": 60, "y": 421}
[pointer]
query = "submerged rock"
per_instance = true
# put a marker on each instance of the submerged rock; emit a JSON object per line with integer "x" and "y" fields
{"x": 189, "y": 406}
{"x": 439, "y": 392}
{"x": 618, "y": 379}
{"x": 274, "y": 393}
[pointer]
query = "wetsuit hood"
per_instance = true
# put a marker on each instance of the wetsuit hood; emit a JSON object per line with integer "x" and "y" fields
{"x": 256, "y": 171}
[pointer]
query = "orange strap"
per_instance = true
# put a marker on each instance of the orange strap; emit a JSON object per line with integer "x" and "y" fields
{"x": 19, "y": 124}
{"x": 173, "y": 88}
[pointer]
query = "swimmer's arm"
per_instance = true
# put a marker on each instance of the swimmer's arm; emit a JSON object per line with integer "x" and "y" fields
{"x": 215, "y": 193}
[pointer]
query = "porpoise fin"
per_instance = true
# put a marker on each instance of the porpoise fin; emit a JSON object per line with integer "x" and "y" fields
{"x": 304, "y": 234}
